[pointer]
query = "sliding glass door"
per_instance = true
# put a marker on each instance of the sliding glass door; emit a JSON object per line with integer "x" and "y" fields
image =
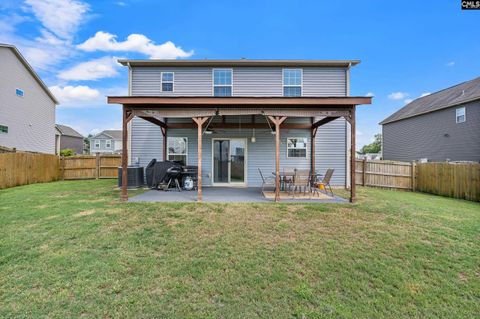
{"x": 229, "y": 161}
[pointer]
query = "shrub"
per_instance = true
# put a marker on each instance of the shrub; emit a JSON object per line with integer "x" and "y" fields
{"x": 67, "y": 152}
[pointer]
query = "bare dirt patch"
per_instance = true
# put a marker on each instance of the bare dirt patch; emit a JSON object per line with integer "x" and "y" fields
{"x": 86, "y": 213}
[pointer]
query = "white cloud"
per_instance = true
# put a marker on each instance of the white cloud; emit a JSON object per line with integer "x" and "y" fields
{"x": 425, "y": 94}
{"x": 103, "y": 41}
{"x": 92, "y": 70}
{"x": 61, "y": 17}
{"x": 451, "y": 63}
{"x": 121, "y": 3}
{"x": 370, "y": 94}
{"x": 59, "y": 21}
{"x": 74, "y": 94}
{"x": 397, "y": 95}
{"x": 406, "y": 101}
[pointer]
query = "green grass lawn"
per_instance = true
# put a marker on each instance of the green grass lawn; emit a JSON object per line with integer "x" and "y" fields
{"x": 71, "y": 249}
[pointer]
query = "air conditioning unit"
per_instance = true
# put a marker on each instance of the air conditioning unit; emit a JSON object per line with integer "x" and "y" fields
{"x": 134, "y": 176}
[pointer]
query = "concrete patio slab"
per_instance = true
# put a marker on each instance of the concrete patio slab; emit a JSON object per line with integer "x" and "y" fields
{"x": 222, "y": 195}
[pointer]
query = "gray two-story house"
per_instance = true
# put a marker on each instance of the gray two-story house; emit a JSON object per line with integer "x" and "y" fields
{"x": 106, "y": 142}
{"x": 27, "y": 107}
{"x": 233, "y": 117}
{"x": 442, "y": 126}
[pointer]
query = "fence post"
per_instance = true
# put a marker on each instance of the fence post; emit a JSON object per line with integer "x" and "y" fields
{"x": 414, "y": 173}
{"x": 62, "y": 168}
{"x": 97, "y": 165}
{"x": 364, "y": 164}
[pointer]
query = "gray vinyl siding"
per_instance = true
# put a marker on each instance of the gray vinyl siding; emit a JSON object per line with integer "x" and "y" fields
{"x": 247, "y": 81}
{"x": 31, "y": 118}
{"x": 147, "y": 143}
{"x": 71, "y": 142}
{"x": 423, "y": 136}
{"x": 324, "y": 82}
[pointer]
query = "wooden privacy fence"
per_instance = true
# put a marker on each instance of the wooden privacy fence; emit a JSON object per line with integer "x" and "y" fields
{"x": 27, "y": 168}
{"x": 389, "y": 174}
{"x": 453, "y": 180}
{"x": 22, "y": 168}
{"x": 460, "y": 180}
{"x": 90, "y": 166}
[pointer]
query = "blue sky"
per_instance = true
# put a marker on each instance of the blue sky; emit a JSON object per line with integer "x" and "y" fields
{"x": 407, "y": 48}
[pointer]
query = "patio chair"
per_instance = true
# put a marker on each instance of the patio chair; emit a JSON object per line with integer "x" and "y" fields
{"x": 266, "y": 181}
{"x": 287, "y": 178}
{"x": 326, "y": 181}
{"x": 301, "y": 180}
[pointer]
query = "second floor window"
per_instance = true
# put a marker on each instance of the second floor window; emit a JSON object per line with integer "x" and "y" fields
{"x": 167, "y": 81}
{"x": 222, "y": 82}
{"x": 3, "y": 129}
{"x": 108, "y": 144}
{"x": 292, "y": 82}
{"x": 460, "y": 115}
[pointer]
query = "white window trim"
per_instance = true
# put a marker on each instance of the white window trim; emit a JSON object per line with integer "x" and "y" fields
{"x": 108, "y": 143}
{"x": 464, "y": 115}
{"x": 186, "y": 148}
{"x": 173, "y": 81}
{"x": 19, "y": 89}
{"x": 213, "y": 80}
{"x": 95, "y": 143}
{"x": 283, "y": 81}
{"x": 306, "y": 147}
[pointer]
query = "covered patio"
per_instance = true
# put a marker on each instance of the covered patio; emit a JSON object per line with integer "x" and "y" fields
{"x": 157, "y": 110}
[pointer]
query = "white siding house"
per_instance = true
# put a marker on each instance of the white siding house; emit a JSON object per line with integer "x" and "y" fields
{"x": 27, "y": 107}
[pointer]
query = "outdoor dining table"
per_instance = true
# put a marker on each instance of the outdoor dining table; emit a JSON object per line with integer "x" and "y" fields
{"x": 284, "y": 175}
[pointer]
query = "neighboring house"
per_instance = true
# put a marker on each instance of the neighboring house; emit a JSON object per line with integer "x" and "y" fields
{"x": 27, "y": 107}
{"x": 230, "y": 108}
{"x": 370, "y": 156}
{"x": 106, "y": 142}
{"x": 67, "y": 138}
{"x": 443, "y": 126}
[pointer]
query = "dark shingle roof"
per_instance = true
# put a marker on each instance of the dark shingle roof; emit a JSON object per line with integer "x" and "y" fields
{"x": 455, "y": 95}
{"x": 116, "y": 134}
{"x": 68, "y": 131}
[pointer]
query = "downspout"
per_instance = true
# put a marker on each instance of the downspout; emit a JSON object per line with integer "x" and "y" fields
{"x": 347, "y": 136}
{"x": 129, "y": 123}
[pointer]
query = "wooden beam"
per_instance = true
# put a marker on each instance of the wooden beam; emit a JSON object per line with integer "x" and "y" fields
{"x": 239, "y": 101}
{"x": 352, "y": 155}
{"x": 324, "y": 121}
{"x": 200, "y": 121}
{"x": 287, "y": 126}
{"x": 277, "y": 120}
{"x": 154, "y": 121}
{"x": 124, "y": 193}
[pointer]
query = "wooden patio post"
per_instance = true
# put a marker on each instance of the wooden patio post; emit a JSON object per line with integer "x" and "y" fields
{"x": 124, "y": 195}
{"x": 164, "y": 147}
{"x": 312, "y": 148}
{"x": 126, "y": 117}
{"x": 199, "y": 121}
{"x": 352, "y": 155}
{"x": 277, "y": 120}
